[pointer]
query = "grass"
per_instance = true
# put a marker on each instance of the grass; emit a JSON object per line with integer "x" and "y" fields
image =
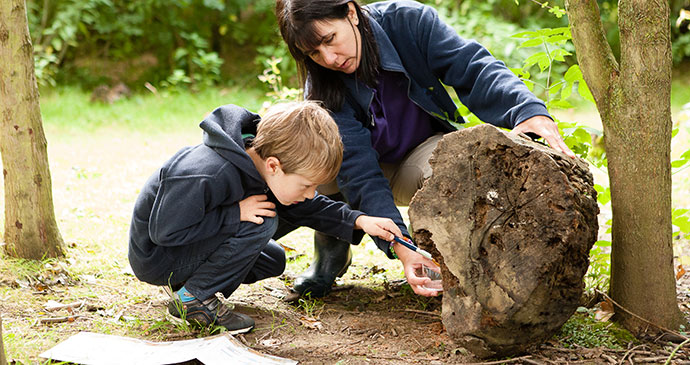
{"x": 70, "y": 110}
{"x": 100, "y": 156}
{"x": 583, "y": 330}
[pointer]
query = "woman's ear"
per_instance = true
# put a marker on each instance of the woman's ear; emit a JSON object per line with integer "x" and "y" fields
{"x": 352, "y": 13}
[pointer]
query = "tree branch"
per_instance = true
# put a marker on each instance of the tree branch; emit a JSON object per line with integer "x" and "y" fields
{"x": 598, "y": 65}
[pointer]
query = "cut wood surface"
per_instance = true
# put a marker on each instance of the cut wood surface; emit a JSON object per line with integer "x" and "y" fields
{"x": 511, "y": 221}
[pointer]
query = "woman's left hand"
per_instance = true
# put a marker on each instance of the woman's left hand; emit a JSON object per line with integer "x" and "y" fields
{"x": 546, "y": 128}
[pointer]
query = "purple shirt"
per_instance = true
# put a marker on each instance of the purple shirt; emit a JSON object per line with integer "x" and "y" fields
{"x": 399, "y": 124}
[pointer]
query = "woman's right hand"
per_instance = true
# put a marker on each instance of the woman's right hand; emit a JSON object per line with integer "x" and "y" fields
{"x": 412, "y": 261}
{"x": 254, "y": 207}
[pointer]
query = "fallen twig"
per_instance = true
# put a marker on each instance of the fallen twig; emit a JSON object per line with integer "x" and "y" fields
{"x": 54, "y": 306}
{"x": 533, "y": 362}
{"x": 57, "y": 319}
{"x": 673, "y": 353}
{"x": 609, "y": 358}
{"x": 628, "y": 353}
{"x": 655, "y": 359}
{"x": 626, "y": 310}
{"x": 433, "y": 314}
{"x": 500, "y": 361}
{"x": 347, "y": 344}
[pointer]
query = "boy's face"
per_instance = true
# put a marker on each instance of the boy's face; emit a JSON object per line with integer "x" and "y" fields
{"x": 291, "y": 188}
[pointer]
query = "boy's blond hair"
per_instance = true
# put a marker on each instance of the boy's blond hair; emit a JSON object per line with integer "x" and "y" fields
{"x": 303, "y": 137}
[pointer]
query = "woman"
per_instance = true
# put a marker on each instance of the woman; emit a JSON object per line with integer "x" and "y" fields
{"x": 381, "y": 70}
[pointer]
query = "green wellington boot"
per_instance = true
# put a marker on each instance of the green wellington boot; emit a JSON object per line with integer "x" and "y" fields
{"x": 332, "y": 257}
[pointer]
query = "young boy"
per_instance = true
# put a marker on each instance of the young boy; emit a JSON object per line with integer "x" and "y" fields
{"x": 203, "y": 222}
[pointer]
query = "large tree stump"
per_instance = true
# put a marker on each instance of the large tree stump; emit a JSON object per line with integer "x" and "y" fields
{"x": 511, "y": 221}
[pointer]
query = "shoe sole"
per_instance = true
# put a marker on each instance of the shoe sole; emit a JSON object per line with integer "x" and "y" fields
{"x": 179, "y": 321}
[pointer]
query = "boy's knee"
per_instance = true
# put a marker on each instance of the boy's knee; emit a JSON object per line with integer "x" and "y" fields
{"x": 263, "y": 230}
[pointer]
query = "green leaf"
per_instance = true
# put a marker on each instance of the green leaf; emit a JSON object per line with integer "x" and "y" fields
{"x": 678, "y": 212}
{"x": 567, "y": 91}
{"x": 558, "y": 38}
{"x": 582, "y": 135}
{"x": 674, "y": 132}
{"x": 602, "y": 243}
{"x": 529, "y": 84}
{"x": 535, "y": 58}
{"x": 558, "y": 54}
{"x": 683, "y": 223}
{"x": 679, "y": 163}
{"x": 555, "y": 88}
{"x": 603, "y": 194}
{"x": 546, "y": 32}
{"x": 686, "y": 155}
{"x": 557, "y": 11}
{"x": 532, "y": 43}
{"x": 573, "y": 74}
{"x": 527, "y": 34}
{"x": 544, "y": 64}
{"x": 561, "y": 104}
{"x": 583, "y": 90}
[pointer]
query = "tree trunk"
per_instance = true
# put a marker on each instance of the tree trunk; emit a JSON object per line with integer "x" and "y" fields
{"x": 634, "y": 100}
{"x": 3, "y": 357}
{"x": 511, "y": 222}
{"x": 30, "y": 228}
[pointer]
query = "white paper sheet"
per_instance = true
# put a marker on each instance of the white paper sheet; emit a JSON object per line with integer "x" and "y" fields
{"x": 95, "y": 348}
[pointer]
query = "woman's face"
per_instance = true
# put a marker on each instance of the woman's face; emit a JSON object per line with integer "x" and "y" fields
{"x": 340, "y": 46}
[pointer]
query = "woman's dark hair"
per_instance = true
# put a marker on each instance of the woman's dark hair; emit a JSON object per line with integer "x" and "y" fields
{"x": 296, "y": 21}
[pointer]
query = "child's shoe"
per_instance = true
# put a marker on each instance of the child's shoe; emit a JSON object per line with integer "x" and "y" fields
{"x": 211, "y": 311}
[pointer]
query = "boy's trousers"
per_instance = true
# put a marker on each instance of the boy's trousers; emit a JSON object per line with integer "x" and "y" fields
{"x": 245, "y": 258}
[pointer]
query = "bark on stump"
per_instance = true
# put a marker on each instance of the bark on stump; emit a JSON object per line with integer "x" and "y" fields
{"x": 511, "y": 221}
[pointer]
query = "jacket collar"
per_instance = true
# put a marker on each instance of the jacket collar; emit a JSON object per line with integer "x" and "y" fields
{"x": 390, "y": 61}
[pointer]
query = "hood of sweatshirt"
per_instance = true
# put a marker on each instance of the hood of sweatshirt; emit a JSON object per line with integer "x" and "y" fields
{"x": 223, "y": 130}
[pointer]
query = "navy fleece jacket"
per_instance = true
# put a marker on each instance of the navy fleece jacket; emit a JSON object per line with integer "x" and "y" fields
{"x": 193, "y": 199}
{"x": 415, "y": 42}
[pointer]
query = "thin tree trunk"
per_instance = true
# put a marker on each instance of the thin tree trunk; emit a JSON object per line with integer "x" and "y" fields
{"x": 30, "y": 227}
{"x": 3, "y": 357}
{"x": 633, "y": 99}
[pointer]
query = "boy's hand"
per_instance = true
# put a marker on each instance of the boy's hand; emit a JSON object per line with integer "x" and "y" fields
{"x": 254, "y": 207}
{"x": 383, "y": 228}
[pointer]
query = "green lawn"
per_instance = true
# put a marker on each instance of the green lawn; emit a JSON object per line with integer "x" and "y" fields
{"x": 100, "y": 156}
